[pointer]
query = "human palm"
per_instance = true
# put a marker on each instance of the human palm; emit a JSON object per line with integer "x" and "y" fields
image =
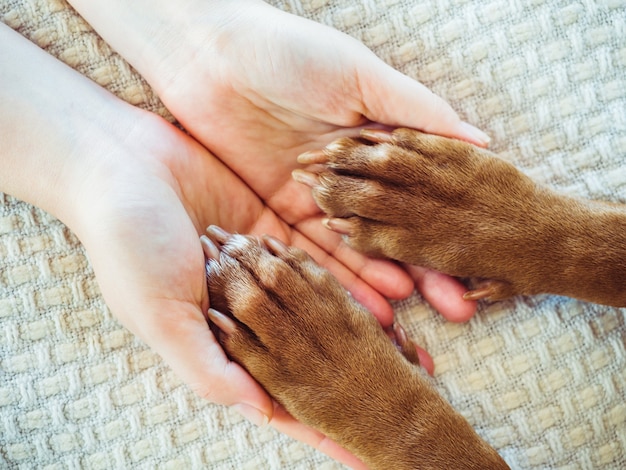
{"x": 142, "y": 211}
{"x": 258, "y": 96}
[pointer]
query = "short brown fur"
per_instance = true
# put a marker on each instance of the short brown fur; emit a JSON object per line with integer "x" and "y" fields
{"x": 459, "y": 209}
{"x": 331, "y": 365}
{"x": 424, "y": 200}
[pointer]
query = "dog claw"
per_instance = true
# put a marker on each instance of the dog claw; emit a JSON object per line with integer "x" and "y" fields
{"x": 223, "y": 322}
{"x": 479, "y": 294}
{"x": 211, "y": 251}
{"x": 217, "y": 234}
{"x": 377, "y": 135}
{"x": 404, "y": 344}
{"x": 341, "y": 226}
{"x": 491, "y": 289}
{"x": 276, "y": 246}
{"x": 313, "y": 156}
{"x": 306, "y": 177}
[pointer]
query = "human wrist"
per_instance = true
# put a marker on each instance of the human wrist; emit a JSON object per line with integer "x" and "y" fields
{"x": 54, "y": 125}
{"x": 39, "y": 127}
{"x": 159, "y": 38}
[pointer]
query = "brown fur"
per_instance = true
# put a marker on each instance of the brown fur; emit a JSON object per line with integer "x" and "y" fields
{"x": 424, "y": 200}
{"x": 459, "y": 209}
{"x": 328, "y": 361}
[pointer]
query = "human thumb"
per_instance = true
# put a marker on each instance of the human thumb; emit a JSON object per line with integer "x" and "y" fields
{"x": 394, "y": 99}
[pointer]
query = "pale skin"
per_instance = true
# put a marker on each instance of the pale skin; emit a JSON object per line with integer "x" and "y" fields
{"x": 133, "y": 185}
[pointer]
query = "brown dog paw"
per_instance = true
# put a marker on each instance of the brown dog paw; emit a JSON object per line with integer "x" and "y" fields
{"x": 289, "y": 322}
{"x": 434, "y": 202}
{"x": 328, "y": 361}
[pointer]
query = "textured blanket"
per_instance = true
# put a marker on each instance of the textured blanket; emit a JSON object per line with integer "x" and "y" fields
{"x": 543, "y": 379}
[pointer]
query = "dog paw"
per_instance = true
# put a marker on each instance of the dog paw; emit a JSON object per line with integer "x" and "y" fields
{"x": 328, "y": 361}
{"x": 292, "y": 326}
{"x": 430, "y": 201}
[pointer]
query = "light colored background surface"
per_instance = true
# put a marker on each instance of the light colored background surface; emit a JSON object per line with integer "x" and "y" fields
{"x": 543, "y": 379}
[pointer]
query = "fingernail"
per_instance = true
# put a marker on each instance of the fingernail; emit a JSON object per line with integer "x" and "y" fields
{"x": 251, "y": 414}
{"x": 474, "y": 134}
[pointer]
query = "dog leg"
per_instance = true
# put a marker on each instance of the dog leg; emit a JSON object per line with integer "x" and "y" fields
{"x": 327, "y": 360}
{"x": 459, "y": 209}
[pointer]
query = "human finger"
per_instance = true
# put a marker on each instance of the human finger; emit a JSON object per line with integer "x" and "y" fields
{"x": 443, "y": 292}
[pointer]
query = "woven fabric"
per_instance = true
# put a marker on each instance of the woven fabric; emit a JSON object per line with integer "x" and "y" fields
{"x": 543, "y": 378}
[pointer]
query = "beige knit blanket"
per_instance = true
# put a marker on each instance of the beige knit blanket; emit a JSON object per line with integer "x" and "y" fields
{"x": 543, "y": 379}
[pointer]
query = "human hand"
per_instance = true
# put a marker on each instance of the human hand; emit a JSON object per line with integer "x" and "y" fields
{"x": 259, "y": 86}
{"x": 140, "y": 228}
{"x": 137, "y": 192}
